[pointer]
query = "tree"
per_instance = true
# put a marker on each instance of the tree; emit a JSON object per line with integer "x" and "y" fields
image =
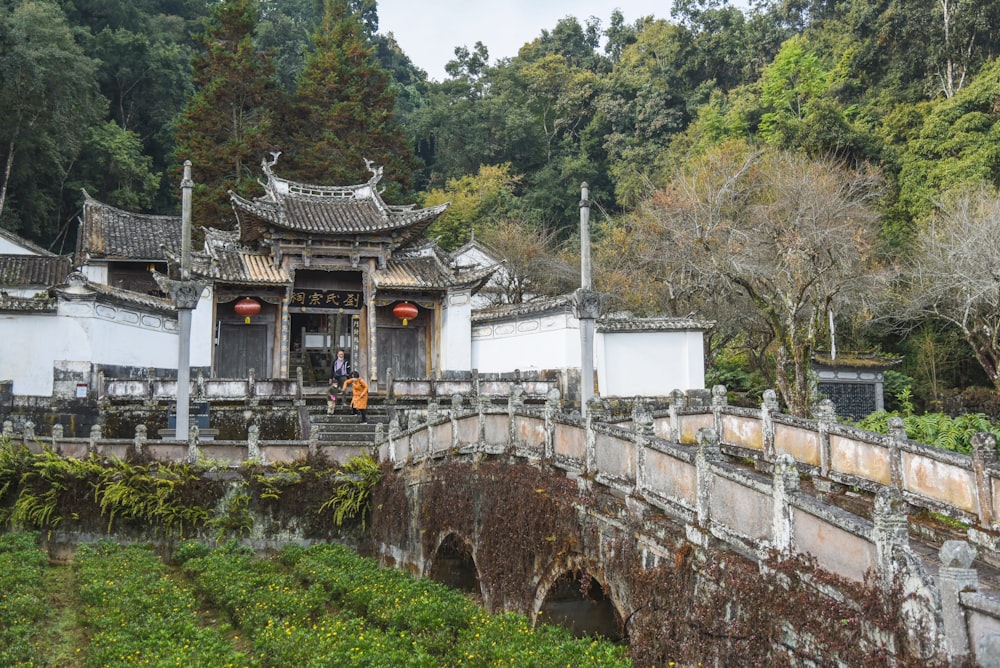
{"x": 344, "y": 111}
{"x": 536, "y": 264}
{"x": 476, "y": 201}
{"x": 227, "y": 126}
{"x": 48, "y": 100}
{"x": 793, "y": 238}
{"x": 953, "y": 275}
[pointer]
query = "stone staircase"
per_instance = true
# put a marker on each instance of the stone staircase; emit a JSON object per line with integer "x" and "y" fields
{"x": 343, "y": 428}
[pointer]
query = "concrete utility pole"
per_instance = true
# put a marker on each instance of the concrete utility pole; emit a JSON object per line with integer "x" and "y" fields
{"x": 185, "y": 294}
{"x": 588, "y": 304}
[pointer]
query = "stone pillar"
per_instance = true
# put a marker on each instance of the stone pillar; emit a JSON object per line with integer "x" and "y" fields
{"x": 719, "y": 401}
{"x": 708, "y": 453}
{"x": 643, "y": 421}
{"x": 897, "y": 432}
{"x": 955, "y": 576}
{"x": 299, "y": 380}
{"x": 57, "y": 434}
{"x": 826, "y": 415}
{"x": 314, "y": 440}
{"x": 515, "y": 404}
{"x": 8, "y": 429}
{"x": 891, "y": 531}
{"x": 677, "y": 401}
{"x": 786, "y": 482}
{"x": 456, "y": 409}
{"x": 29, "y": 433}
{"x": 253, "y": 442}
{"x": 553, "y": 405}
{"x": 984, "y": 456}
{"x": 95, "y": 437}
{"x": 769, "y": 406}
{"x": 483, "y": 405}
{"x": 139, "y": 442}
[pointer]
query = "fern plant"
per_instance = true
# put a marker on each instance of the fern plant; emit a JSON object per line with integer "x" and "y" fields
{"x": 352, "y": 491}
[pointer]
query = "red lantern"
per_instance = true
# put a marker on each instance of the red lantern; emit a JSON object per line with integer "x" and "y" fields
{"x": 405, "y": 311}
{"x": 247, "y": 307}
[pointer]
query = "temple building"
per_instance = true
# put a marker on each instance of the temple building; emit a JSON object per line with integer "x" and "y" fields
{"x": 307, "y": 270}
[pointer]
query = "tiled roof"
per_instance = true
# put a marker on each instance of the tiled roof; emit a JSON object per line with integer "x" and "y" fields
{"x": 334, "y": 210}
{"x": 558, "y": 304}
{"x": 78, "y": 287}
{"x": 110, "y": 233}
{"x": 631, "y": 324}
{"x": 239, "y": 266}
{"x": 423, "y": 273}
{"x": 22, "y": 271}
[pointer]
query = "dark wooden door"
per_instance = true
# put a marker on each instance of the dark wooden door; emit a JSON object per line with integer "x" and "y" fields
{"x": 400, "y": 349}
{"x": 241, "y": 348}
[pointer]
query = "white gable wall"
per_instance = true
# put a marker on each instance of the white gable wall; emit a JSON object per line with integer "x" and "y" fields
{"x": 550, "y": 341}
{"x": 8, "y": 246}
{"x": 85, "y": 332}
{"x": 649, "y": 363}
{"x": 456, "y": 332}
{"x": 628, "y": 363}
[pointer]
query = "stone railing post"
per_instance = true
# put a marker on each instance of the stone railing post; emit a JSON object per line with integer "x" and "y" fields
{"x": 553, "y": 404}
{"x": 57, "y": 434}
{"x": 897, "y": 433}
{"x": 199, "y": 385}
{"x": 956, "y": 575}
{"x": 595, "y": 413}
{"x": 139, "y": 440}
{"x": 826, "y": 415}
{"x": 8, "y": 429}
{"x": 719, "y": 401}
{"x": 29, "y": 433}
{"x": 483, "y": 405}
{"x": 194, "y": 454}
{"x": 515, "y": 404}
{"x": 984, "y": 456}
{"x": 314, "y": 440}
{"x": 253, "y": 442}
{"x": 768, "y": 407}
{"x": 709, "y": 452}
{"x": 299, "y": 381}
{"x": 252, "y": 398}
{"x": 433, "y": 411}
{"x": 394, "y": 433}
{"x": 891, "y": 531}
{"x": 677, "y": 401}
{"x": 643, "y": 421}
{"x": 95, "y": 438}
{"x": 456, "y": 408}
{"x": 785, "y": 483}
{"x": 390, "y": 386}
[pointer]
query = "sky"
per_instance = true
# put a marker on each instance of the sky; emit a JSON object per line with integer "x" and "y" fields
{"x": 429, "y": 30}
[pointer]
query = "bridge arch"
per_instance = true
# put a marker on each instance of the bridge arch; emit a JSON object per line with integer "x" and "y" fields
{"x": 453, "y": 563}
{"x": 575, "y": 593}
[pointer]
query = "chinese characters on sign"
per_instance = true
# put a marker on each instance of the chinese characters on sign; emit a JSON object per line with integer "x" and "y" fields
{"x": 325, "y": 299}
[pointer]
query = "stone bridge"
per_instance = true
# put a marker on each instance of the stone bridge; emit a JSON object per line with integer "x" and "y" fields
{"x": 703, "y": 532}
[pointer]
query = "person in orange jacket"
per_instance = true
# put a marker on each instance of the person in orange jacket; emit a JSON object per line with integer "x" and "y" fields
{"x": 359, "y": 399}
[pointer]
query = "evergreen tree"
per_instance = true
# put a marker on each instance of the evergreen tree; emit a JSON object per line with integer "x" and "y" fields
{"x": 344, "y": 110}
{"x": 226, "y": 128}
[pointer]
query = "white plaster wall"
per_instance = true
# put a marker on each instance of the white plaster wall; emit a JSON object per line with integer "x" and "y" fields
{"x": 95, "y": 273}
{"x": 30, "y": 344}
{"x": 550, "y": 342}
{"x": 202, "y": 331}
{"x": 649, "y": 363}
{"x": 9, "y": 247}
{"x": 456, "y": 332}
